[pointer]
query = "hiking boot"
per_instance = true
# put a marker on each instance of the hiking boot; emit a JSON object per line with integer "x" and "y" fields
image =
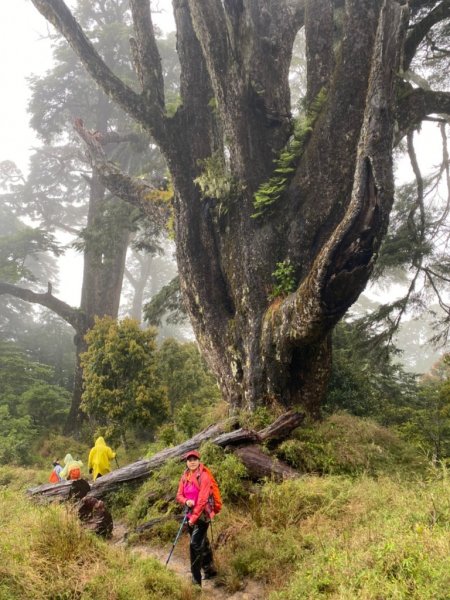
{"x": 209, "y": 573}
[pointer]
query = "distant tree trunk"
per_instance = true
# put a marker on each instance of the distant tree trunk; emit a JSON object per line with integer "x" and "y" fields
{"x": 139, "y": 283}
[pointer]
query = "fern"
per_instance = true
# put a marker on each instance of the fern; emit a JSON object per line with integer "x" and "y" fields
{"x": 270, "y": 191}
{"x": 284, "y": 280}
{"x": 215, "y": 181}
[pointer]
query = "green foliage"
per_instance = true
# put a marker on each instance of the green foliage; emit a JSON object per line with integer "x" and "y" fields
{"x": 284, "y": 280}
{"x": 156, "y": 497}
{"x": 215, "y": 181}
{"x": 16, "y": 437}
{"x": 122, "y": 387}
{"x": 100, "y": 238}
{"x": 427, "y": 421}
{"x": 167, "y": 302}
{"x": 28, "y": 403}
{"x": 21, "y": 249}
{"x": 366, "y": 380}
{"x": 227, "y": 469}
{"x": 270, "y": 191}
{"x": 49, "y": 341}
{"x": 190, "y": 386}
{"x": 343, "y": 444}
{"x": 47, "y": 405}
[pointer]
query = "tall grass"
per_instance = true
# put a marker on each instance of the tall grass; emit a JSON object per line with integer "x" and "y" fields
{"x": 342, "y": 538}
{"x": 45, "y": 554}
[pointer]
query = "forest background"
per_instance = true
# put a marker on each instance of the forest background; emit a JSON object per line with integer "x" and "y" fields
{"x": 389, "y": 362}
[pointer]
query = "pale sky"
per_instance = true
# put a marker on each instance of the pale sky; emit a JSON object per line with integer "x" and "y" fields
{"x": 23, "y": 51}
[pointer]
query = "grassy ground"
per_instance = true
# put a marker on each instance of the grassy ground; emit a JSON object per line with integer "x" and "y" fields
{"x": 46, "y": 555}
{"x": 342, "y": 538}
{"x": 372, "y": 523}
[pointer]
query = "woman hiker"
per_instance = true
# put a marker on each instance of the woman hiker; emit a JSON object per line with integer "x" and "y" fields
{"x": 99, "y": 457}
{"x": 72, "y": 468}
{"x": 194, "y": 490}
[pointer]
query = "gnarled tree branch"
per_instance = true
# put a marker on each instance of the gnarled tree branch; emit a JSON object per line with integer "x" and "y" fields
{"x": 416, "y": 104}
{"x": 57, "y": 13}
{"x": 71, "y": 315}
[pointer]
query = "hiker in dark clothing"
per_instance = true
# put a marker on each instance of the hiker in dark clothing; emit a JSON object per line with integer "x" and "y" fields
{"x": 194, "y": 490}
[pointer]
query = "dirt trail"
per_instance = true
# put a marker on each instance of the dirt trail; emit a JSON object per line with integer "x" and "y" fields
{"x": 179, "y": 564}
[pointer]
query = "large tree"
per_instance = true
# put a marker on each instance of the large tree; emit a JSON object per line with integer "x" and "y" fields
{"x": 277, "y": 223}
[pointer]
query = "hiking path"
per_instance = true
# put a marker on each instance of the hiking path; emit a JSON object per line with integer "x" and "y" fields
{"x": 179, "y": 564}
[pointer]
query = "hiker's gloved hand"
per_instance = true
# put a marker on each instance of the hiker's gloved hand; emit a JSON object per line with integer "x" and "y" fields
{"x": 190, "y": 503}
{"x": 90, "y": 470}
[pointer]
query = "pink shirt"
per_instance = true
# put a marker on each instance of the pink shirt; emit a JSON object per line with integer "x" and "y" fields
{"x": 191, "y": 491}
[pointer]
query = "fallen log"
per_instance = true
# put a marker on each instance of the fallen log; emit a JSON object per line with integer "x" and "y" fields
{"x": 282, "y": 426}
{"x": 260, "y": 465}
{"x": 66, "y": 490}
{"x": 221, "y": 434}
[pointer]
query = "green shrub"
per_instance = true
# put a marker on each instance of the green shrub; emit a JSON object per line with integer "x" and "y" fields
{"x": 227, "y": 469}
{"x": 344, "y": 444}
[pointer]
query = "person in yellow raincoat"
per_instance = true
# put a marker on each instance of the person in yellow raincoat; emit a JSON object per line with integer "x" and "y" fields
{"x": 99, "y": 457}
{"x": 72, "y": 468}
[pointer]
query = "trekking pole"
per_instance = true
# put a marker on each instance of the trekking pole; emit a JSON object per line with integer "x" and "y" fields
{"x": 212, "y": 538}
{"x": 178, "y": 535}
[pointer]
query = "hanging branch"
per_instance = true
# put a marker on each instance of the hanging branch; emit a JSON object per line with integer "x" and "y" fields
{"x": 419, "y": 204}
{"x": 153, "y": 202}
{"x": 146, "y": 54}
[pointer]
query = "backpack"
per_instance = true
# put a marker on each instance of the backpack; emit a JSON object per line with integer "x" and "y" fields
{"x": 215, "y": 499}
{"x": 74, "y": 473}
{"x": 54, "y": 477}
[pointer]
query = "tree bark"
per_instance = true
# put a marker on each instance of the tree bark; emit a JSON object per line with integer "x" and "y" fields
{"x": 332, "y": 209}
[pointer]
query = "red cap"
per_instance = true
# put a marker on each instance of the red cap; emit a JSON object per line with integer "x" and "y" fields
{"x": 191, "y": 453}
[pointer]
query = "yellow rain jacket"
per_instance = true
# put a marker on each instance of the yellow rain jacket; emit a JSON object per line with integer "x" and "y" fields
{"x": 99, "y": 458}
{"x": 70, "y": 463}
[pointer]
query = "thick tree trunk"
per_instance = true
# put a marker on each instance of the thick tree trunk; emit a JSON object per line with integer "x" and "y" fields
{"x": 103, "y": 271}
{"x": 327, "y": 212}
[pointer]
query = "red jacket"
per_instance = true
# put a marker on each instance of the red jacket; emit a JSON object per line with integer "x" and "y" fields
{"x": 202, "y": 480}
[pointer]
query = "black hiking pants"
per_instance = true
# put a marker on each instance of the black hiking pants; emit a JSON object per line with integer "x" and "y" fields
{"x": 200, "y": 551}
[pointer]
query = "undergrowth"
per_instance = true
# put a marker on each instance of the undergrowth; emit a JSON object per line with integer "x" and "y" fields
{"x": 344, "y": 444}
{"x": 372, "y": 523}
{"x": 337, "y": 537}
{"x": 46, "y": 555}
